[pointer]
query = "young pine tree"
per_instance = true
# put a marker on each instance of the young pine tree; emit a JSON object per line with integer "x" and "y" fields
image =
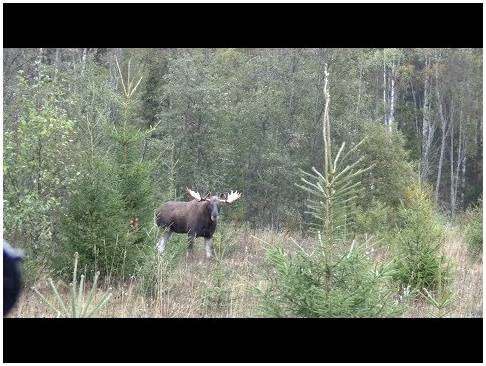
{"x": 337, "y": 278}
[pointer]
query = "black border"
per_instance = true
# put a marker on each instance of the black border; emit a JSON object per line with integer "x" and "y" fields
{"x": 243, "y": 340}
{"x": 243, "y": 25}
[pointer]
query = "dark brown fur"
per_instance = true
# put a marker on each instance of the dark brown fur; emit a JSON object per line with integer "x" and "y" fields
{"x": 193, "y": 218}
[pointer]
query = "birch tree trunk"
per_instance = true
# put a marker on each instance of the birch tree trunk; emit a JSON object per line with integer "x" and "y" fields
{"x": 443, "y": 139}
{"x": 56, "y": 60}
{"x": 414, "y": 109}
{"x": 459, "y": 160}
{"x": 391, "y": 118}
{"x": 83, "y": 60}
{"x": 39, "y": 62}
{"x": 451, "y": 159}
{"x": 426, "y": 129}
{"x": 463, "y": 180}
{"x": 360, "y": 68}
{"x": 384, "y": 90}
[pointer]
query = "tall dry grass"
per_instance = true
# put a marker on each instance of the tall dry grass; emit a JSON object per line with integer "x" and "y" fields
{"x": 224, "y": 287}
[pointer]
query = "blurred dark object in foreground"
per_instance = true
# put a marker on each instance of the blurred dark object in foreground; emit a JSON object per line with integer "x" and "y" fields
{"x": 11, "y": 276}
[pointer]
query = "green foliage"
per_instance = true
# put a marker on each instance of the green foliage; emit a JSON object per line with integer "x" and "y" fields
{"x": 392, "y": 172}
{"x": 474, "y": 229}
{"x": 441, "y": 303}
{"x": 376, "y": 219}
{"x": 333, "y": 194}
{"x": 80, "y": 306}
{"x": 216, "y": 294}
{"x": 94, "y": 139}
{"x": 94, "y": 226}
{"x": 417, "y": 244}
{"x": 331, "y": 281}
{"x": 112, "y": 195}
{"x": 224, "y": 241}
{"x": 36, "y": 175}
{"x": 110, "y": 212}
{"x": 306, "y": 285}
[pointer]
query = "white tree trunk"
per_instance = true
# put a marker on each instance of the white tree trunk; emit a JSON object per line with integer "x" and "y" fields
{"x": 460, "y": 159}
{"x": 39, "y": 62}
{"x": 359, "y": 88}
{"x": 426, "y": 130}
{"x": 443, "y": 139}
{"x": 391, "y": 118}
{"x": 415, "y": 109}
{"x": 453, "y": 185}
{"x": 441, "y": 159}
{"x": 463, "y": 180}
{"x": 83, "y": 60}
{"x": 384, "y": 90}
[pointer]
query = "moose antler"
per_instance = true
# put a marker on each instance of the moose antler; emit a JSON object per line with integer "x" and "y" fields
{"x": 193, "y": 194}
{"x": 197, "y": 196}
{"x": 232, "y": 197}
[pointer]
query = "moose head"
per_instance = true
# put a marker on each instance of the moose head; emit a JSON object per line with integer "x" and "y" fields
{"x": 213, "y": 202}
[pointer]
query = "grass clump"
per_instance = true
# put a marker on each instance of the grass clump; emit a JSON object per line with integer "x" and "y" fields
{"x": 156, "y": 269}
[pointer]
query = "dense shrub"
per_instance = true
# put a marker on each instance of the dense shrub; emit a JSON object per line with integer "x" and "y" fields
{"x": 392, "y": 172}
{"x": 93, "y": 225}
{"x": 36, "y": 176}
{"x": 303, "y": 285}
{"x": 111, "y": 211}
{"x": 417, "y": 243}
{"x": 376, "y": 219}
{"x": 474, "y": 229}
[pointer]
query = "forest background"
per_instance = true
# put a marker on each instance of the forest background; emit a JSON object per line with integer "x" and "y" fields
{"x": 96, "y": 138}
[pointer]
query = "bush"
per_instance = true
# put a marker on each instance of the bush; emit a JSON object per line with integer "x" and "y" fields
{"x": 110, "y": 213}
{"x": 417, "y": 244}
{"x": 93, "y": 225}
{"x": 307, "y": 286}
{"x": 216, "y": 294}
{"x": 39, "y": 166}
{"x": 377, "y": 219}
{"x": 474, "y": 229}
{"x": 392, "y": 173}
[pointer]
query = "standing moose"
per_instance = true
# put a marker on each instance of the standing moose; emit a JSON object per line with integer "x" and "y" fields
{"x": 197, "y": 217}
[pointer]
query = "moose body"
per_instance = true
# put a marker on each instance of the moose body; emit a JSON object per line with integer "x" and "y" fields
{"x": 196, "y": 218}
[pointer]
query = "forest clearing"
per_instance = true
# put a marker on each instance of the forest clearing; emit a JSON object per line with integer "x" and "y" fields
{"x": 324, "y": 182}
{"x": 225, "y": 288}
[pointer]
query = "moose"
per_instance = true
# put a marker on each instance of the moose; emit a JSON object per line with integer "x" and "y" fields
{"x": 196, "y": 218}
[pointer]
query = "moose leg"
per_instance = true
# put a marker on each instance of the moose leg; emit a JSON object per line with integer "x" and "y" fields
{"x": 163, "y": 240}
{"x": 209, "y": 247}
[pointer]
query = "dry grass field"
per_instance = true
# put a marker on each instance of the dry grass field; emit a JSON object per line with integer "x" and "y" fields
{"x": 225, "y": 287}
